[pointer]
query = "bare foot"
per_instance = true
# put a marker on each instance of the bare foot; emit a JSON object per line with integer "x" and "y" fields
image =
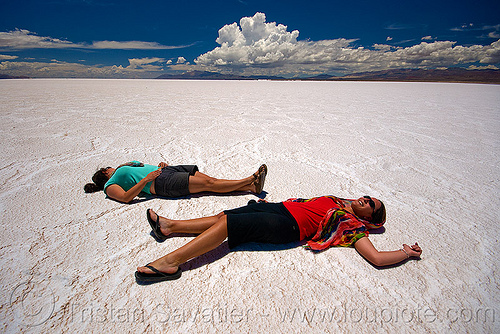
{"x": 164, "y": 223}
{"x": 253, "y": 188}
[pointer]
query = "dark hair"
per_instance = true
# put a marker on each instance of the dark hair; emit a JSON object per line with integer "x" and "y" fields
{"x": 100, "y": 179}
{"x": 378, "y": 217}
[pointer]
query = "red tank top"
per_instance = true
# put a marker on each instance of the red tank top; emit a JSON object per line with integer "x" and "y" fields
{"x": 309, "y": 214}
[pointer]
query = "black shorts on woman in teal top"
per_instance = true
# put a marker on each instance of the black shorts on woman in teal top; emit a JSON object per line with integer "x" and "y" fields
{"x": 174, "y": 180}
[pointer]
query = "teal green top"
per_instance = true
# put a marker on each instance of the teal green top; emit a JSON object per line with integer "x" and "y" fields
{"x": 128, "y": 176}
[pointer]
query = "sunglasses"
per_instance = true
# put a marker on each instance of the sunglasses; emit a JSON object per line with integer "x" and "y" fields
{"x": 370, "y": 202}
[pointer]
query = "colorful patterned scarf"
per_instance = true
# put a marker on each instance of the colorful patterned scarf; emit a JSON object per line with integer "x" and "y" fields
{"x": 338, "y": 227}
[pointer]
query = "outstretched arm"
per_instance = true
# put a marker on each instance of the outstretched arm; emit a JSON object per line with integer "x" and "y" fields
{"x": 116, "y": 192}
{"x": 365, "y": 247}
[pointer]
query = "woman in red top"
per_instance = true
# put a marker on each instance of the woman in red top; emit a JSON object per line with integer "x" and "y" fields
{"x": 329, "y": 220}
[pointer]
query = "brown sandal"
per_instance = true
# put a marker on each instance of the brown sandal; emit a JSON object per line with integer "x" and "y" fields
{"x": 260, "y": 179}
{"x": 262, "y": 168}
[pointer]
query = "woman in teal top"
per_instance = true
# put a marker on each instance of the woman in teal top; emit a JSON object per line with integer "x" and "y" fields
{"x": 126, "y": 181}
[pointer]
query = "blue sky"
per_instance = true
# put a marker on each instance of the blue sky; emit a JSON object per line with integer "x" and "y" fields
{"x": 144, "y": 39}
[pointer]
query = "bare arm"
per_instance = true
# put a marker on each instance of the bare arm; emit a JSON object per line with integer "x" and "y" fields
{"x": 116, "y": 192}
{"x": 162, "y": 164}
{"x": 384, "y": 258}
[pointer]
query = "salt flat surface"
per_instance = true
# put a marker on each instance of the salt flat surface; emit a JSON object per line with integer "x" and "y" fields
{"x": 429, "y": 151}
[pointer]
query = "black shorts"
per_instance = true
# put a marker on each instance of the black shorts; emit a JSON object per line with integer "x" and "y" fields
{"x": 261, "y": 222}
{"x": 174, "y": 180}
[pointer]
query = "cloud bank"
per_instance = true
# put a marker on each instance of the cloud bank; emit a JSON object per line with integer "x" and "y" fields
{"x": 258, "y": 47}
{"x": 137, "y": 68}
{"x": 7, "y": 57}
{"x": 21, "y": 39}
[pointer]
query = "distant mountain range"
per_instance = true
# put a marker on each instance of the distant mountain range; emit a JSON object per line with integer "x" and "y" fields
{"x": 5, "y": 76}
{"x": 204, "y": 75}
{"x": 447, "y": 75}
{"x": 412, "y": 75}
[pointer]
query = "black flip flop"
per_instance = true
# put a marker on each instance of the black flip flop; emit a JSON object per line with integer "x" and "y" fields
{"x": 155, "y": 225}
{"x": 142, "y": 278}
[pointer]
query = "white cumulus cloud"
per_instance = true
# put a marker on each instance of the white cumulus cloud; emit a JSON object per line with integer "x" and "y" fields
{"x": 252, "y": 42}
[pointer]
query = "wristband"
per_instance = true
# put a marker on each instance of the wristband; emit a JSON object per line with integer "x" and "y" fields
{"x": 407, "y": 255}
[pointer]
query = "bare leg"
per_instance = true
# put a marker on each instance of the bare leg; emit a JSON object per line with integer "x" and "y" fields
{"x": 197, "y": 225}
{"x": 200, "y": 182}
{"x": 205, "y": 242}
